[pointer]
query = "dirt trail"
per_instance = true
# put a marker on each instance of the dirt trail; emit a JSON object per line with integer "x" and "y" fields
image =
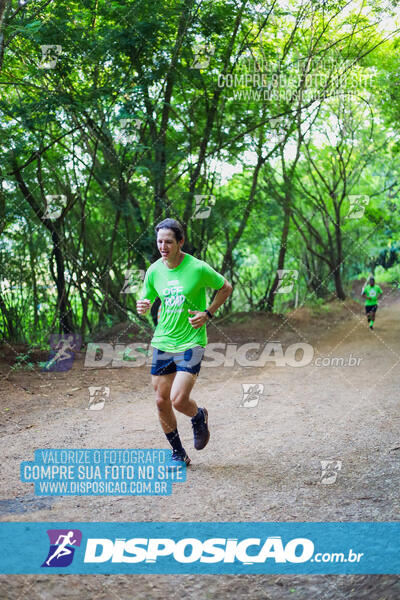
{"x": 262, "y": 463}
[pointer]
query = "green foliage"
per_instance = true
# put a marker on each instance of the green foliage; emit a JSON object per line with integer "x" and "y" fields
{"x": 391, "y": 275}
{"x": 128, "y": 131}
{"x": 23, "y": 362}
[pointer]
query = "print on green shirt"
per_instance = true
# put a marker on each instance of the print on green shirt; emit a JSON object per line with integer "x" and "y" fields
{"x": 371, "y": 294}
{"x": 179, "y": 290}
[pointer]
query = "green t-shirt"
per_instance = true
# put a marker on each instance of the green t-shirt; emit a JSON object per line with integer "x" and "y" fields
{"x": 179, "y": 290}
{"x": 371, "y": 294}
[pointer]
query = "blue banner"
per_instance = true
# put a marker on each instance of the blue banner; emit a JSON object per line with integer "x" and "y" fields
{"x": 208, "y": 548}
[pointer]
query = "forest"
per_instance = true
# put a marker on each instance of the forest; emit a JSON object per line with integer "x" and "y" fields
{"x": 270, "y": 130}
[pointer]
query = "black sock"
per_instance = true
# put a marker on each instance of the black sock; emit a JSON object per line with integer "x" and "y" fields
{"x": 175, "y": 440}
{"x": 197, "y": 416}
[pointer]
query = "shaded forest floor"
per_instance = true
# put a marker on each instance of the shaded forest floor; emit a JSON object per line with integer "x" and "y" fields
{"x": 262, "y": 463}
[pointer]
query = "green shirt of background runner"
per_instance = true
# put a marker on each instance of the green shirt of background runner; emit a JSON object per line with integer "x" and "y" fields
{"x": 371, "y": 294}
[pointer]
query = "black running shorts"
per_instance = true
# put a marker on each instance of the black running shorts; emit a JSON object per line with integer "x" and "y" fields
{"x": 371, "y": 308}
{"x": 170, "y": 362}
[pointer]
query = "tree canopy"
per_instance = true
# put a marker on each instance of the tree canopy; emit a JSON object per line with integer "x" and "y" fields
{"x": 268, "y": 129}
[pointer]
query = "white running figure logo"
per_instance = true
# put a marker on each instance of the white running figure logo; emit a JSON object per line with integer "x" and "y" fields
{"x": 62, "y": 550}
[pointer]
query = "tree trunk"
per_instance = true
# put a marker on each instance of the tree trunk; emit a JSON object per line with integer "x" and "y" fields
{"x": 32, "y": 260}
{"x": 3, "y": 6}
{"x": 227, "y": 262}
{"x": 54, "y": 227}
{"x": 66, "y": 325}
{"x": 8, "y": 321}
{"x": 281, "y": 261}
{"x": 338, "y": 283}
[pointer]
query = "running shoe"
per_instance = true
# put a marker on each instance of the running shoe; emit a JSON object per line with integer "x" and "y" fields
{"x": 178, "y": 459}
{"x": 201, "y": 434}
